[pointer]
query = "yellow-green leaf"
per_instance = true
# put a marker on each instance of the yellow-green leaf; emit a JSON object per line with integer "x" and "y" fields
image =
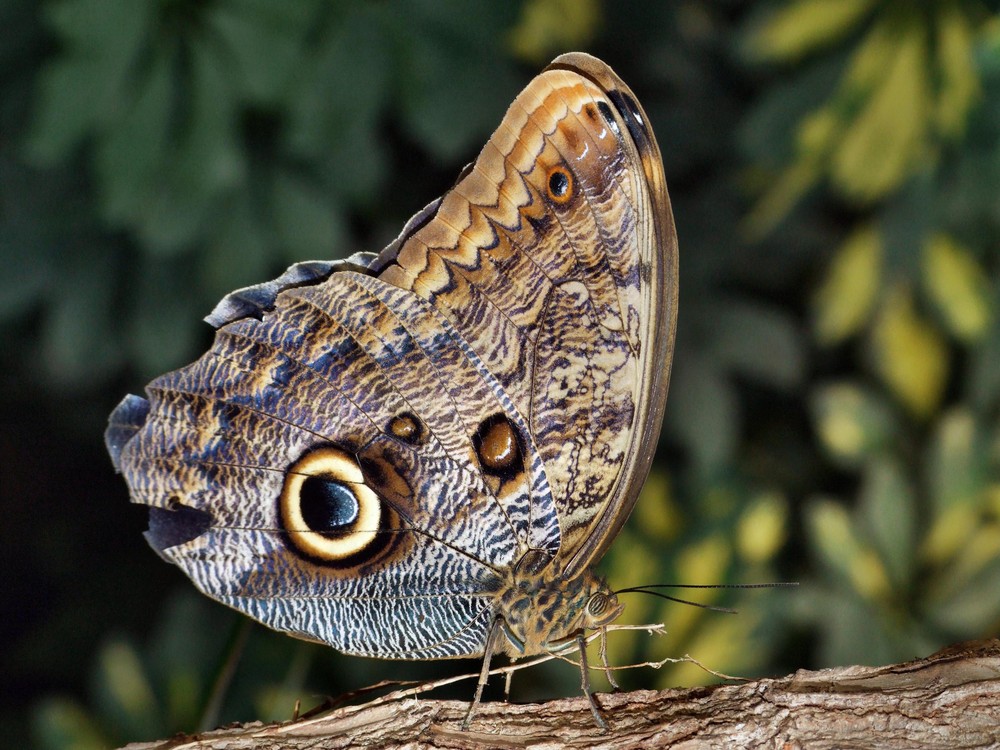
{"x": 869, "y": 576}
{"x": 956, "y": 464}
{"x": 630, "y": 564}
{"x": 835, "y": 539}
{"x": 830, "y": 528}
{"x": 63, "y": 724}
{"x": 844, "y": 301}
{"x": 803, "y": 26}
{"x": 991, "y": 500}
{"x": 910, "y": 355}
{"x": 815, "y": 137}
{"x": 549, "y": 26}
{"x": 958, "y": 286}
{"x": 965, "y": 592}
{"x": 125, "y": 680}
{"x": 979, "y": 550}
{"x": 720, "y": 644}
{"x": 887, "y": 508}
{"x": 704, "y": 562}
{"x": 786, "y": 190}
{"x": 851, "y": 423}
{"x": 970, "y": 601}
{"x": 885, "y": 141}
{"x": 838, "y": 421}
{"x": 958, "y": 80}
{"x": 762, "y": 528}
{"x": 869, "y": 63}
{"x": 817, "y": 132}
{"x": 948, "y": 533}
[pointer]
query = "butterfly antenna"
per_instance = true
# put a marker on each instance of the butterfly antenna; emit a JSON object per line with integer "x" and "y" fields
{"x": 641, "y": 590}
{"x": 647, "y": 589}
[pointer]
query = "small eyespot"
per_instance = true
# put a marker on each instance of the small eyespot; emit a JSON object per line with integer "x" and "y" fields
{"x": 327, "y": 511}
{"x": 407, "y": 428}
{"x": 560, "y": 184}
{"x": 497, "y": 446}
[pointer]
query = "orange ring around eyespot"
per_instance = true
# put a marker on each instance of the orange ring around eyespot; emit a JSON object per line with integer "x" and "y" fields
{"x": 562, "y": 192}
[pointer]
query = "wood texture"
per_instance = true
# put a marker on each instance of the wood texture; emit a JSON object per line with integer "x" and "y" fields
{"x": 950, "y": 700}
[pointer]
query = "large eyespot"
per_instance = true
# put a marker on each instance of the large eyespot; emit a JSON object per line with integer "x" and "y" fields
{"x": 326, "y": 509}
{"x": 559, "y": 183}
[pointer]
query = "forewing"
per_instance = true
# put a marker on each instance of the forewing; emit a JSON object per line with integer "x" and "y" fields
{"x": 569, "y": 298}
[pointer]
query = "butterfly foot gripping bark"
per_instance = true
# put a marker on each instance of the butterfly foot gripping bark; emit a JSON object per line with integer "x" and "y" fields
{"x": 422, "y": 453}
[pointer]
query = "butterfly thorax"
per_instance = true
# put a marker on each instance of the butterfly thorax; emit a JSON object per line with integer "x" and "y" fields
{"x": 542, "y": 611}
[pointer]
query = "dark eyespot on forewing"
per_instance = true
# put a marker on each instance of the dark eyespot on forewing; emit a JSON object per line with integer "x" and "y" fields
{"x": 559, "y": 185}
{"x": 498, "y": 447}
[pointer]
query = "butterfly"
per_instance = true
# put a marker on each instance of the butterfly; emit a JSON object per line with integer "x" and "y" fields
{"x": 422, "y": 453}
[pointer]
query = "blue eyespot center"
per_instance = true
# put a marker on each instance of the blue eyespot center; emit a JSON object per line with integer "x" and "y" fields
{"x": 328, "y": 506}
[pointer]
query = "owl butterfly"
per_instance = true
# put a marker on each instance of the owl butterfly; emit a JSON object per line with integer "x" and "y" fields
{"x": 421, "y": 454}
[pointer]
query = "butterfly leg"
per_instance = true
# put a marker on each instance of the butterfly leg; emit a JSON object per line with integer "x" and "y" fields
{"x": 506, "y": 685}
{"x": 484, "y": 673}
{"x": 604, "y": 661}
{"x": 585, "y": 683}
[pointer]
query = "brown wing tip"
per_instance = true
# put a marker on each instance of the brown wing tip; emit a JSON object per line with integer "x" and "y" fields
{"x": 618, "y": 92}
{"x": 594, "y": 68}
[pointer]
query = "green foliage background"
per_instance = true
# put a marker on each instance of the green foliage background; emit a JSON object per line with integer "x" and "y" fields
{"x": 833, "y": 416}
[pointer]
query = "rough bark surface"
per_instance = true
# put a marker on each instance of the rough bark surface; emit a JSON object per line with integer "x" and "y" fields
{"x": 950, "y": 700}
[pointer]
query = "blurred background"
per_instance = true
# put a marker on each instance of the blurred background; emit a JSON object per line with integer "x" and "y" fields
{"x": 833, "y": 416}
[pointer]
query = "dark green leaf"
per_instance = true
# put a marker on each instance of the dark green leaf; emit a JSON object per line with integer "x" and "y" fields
{"x": 704, "y": 413}
{"x": 759, "y": 342}
{"x": 889, "y": 511}
{"x": 308, "y": 223}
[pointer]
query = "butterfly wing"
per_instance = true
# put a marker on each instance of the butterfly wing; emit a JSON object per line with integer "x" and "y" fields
{"x": 343, "y": 366}
{"x": 369, "y": 446}
{"x": 555, "y": 257}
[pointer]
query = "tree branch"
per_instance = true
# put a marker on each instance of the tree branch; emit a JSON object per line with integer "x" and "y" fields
{"x": 950, "y": 700}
